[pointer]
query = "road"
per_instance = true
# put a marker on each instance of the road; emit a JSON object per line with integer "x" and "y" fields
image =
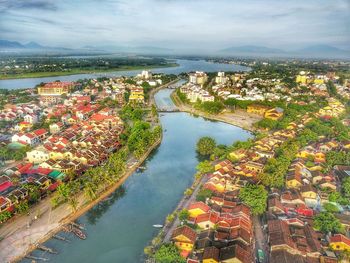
{"x": 260, "y": 238}
{"x": 184, "y": 203}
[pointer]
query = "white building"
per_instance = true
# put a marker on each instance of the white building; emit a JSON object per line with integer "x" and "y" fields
{"x": 198, "y": 78}
{"x": 220, "y": 78}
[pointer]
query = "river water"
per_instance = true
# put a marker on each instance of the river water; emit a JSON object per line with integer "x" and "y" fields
{"x": 119, "y": 228}
{"x": 184, "y": 66}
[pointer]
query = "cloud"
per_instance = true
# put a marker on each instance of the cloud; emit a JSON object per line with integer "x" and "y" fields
{"x": 47, "y": 5}
{"x": 178, "y": 24}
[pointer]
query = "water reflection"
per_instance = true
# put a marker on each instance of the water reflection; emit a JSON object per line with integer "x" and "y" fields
{"x": 95, "y": 213}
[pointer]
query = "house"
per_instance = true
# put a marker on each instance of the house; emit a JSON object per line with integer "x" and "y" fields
{"x": 38, "y": 155}
{"x": 275, "y": 206}
{"x": 31, "y": 118}
{"x": 257, "y": 109}
{"x": 238, "y": 154}
{"x": 184, "y": 238}
{"x": 5, "y": 204}
{"x": 254, "y": 166}
{"x": 211, "y": 255}
{"x": 274, "y": 114}
{"x": 339, "y": 242}
{"x": 235, "y": 254}
{"x": 308, "y": 191}
{"x": 198, "y": 208}
{"x": 294, "y": 238}
{"x": 207, "y": 220}
{"x": 293, "y": 179}
{"x": 56, "y": 127}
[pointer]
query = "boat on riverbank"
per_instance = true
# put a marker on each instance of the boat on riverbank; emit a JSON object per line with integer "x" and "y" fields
{"x": 158, "y": 226}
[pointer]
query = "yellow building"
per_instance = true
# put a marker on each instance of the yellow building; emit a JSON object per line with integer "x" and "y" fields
{"x": 257, "y": 109}
{"x": 339, "y": 242}
{"x": 301, "y": 79}
{"x": 319, "y": 81}
{"x": 55, "y": 88}
{"x": 274, "y": 114}
{"x": 211, "y": 255}
{"x": 25, "y": 125}
{"x": 184, "y": 238}
{"x": 238, "y": 154}
{"x": 198, "y": 208}
{"x": 293, "y": 183}
{"x": 136, "y": 95}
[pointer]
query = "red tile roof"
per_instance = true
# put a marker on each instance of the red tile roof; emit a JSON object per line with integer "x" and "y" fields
{"x": 186, "y": 231}
{"x": 340, "y": 238}
{"x": 5, "y": 185}
{"x": 199, "y": 205}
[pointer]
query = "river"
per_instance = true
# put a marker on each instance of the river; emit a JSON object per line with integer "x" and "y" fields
{"x": 184, "y": 66}
{"x": 119, "y": 228}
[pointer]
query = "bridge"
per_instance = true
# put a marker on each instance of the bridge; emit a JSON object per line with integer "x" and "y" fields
{"x": 167, "y": 109}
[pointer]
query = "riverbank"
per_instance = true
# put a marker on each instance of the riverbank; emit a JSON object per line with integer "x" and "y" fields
{"x": 19, "y": 240}
{"x": 239, "y": 118}
{"x": 83, "y": 71}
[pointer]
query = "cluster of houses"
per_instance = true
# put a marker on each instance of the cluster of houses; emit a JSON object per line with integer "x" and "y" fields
{"x": 224, "y": 228}
{"x": 193, "y": 89}
{"x": 239, "y": 87}
{"x": 265, "y": 111}
{"x": 334, "y": 108}
{"x": 14, "y": 179}
{"x": 81, "y": 134}
{"x": 85, "y": 143}
{"x": 224, "y": 232}
{"x": 23, "y": 116}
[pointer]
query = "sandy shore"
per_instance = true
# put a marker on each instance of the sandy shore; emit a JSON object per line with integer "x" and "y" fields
{"x": 19, "y": 239}
{"x": 239, "y": 117}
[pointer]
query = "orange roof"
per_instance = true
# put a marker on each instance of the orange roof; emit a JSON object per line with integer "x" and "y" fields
{"x": 186, "y": 231}
{"x": 340, "y": 238}
{"x": 199, "y": 205}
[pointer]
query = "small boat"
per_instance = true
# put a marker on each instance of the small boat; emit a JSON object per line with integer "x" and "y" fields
{"x": 79, "y": 233}
{"x": 158, "y": 226}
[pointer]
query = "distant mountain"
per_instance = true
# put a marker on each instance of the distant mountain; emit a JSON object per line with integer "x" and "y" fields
{"x": 10, "y": 44}
{"x": 320, "y": 48}
{"x": 33, "y": 45}
{"x": 252, "y": 49}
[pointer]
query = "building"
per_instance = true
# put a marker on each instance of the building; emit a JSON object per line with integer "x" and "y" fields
{"x": 198, "y": 78}
{"x": 221, "y": 78}
{"x": 51, "y": 92}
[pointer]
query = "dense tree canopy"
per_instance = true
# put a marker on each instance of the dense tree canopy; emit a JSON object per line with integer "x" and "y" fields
{"x": 327, "y": 222}
{"x": 206, "y": 145}
{"x": 168, "y": 253}
{"x": 255, "y": 196}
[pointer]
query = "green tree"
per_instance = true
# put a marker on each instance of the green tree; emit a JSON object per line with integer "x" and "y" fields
{"x": 206, "y": 145}
{"x": 205, "y": 167}
{"x": 327, "y": 222}
{"x": 184, "y": 215}
{"x": 169, "y": 253}
{"x": 255, "y": 196}
{"x": 329, "y": 207}
{"x": 203, "y": 194}
{"x": 4, "y": 216}
{"x": 22, "y": 207}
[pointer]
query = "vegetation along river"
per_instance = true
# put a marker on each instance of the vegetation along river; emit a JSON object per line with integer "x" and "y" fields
{"x": 184, "y": 66}
{"x": 120, "y": 227}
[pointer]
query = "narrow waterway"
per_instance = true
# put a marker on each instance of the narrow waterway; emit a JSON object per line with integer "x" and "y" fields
{"x": 119, "y": 228}
{"x": 184, "y": 66}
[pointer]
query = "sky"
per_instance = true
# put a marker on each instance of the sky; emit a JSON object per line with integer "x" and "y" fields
{"x": 177, "y": 24}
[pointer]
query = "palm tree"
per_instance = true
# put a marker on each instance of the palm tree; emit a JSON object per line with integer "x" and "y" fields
{"x": 90, "y": 190}
{"x": 73, "y": 203}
